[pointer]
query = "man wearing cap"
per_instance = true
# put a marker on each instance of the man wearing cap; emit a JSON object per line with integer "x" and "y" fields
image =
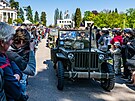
{"x": 126, "y": 51}
{"x": 104, "y": 40}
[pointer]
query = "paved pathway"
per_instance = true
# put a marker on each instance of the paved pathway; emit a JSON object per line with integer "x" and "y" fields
{"x": 42, "y": 87}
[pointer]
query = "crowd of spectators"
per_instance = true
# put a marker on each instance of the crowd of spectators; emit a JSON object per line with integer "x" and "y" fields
{"x": 121, "y": 44}
{"x": 18, "y": 47}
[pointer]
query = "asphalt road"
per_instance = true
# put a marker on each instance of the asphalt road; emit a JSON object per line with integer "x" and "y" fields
{"x": 42, "y": 87}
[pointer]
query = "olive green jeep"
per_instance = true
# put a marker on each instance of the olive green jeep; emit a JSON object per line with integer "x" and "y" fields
{"x": 75, "y": 57}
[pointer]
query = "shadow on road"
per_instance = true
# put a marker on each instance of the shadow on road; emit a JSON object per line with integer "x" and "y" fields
{"x": 42, "y": 87}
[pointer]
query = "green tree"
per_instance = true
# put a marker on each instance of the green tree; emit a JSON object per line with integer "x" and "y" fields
{"x": 18, "y": 21}
{"x": 88, "y": 16}
{"x": 29, "y": 14}
{"x": 131, "y": 17}
{"x": 14, "y": 4}
{"x": 123, "y": 20}
{"x": 56, "y": 16}
{"x": 105, "y": 18}
{"x": 61, "y": 15}
{"x": 43, "y": 18}
{"x": 36, "y": 17}
{"x": 11, "y": 1}
{"x": 78, "y": 18}
{"x": 116, "y": 10}
{"x": 21, "y": 14}
{"x": 100, "y": 20}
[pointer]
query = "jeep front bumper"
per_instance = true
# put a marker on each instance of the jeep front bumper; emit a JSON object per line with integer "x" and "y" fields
{"x": 96, "y": 75}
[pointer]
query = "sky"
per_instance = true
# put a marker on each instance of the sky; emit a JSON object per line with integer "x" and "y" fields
{"x": 49, "y": 6}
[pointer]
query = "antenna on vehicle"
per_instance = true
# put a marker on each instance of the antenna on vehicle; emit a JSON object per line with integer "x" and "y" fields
{"x": 90, "y": 33}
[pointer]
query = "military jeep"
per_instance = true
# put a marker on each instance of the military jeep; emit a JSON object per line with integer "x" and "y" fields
{"x": 76, "y": 57}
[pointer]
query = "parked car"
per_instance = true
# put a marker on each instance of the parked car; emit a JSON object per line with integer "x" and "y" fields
{"x": 75, "y": 57}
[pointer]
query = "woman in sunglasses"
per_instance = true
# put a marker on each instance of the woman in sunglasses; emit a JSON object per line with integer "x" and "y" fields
{"x": 22, "y": 53}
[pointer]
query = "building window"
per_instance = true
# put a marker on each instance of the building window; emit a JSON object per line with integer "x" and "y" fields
{"x": 4, "y": 16}
{"x": 11, "y": 15}
{"x": 8, "y": 15}
{"x": 60, "y": 21}
{"x": 4, "y": 13}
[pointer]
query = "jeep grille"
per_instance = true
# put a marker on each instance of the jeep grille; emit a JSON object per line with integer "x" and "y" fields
{"x": 84, "y": 62}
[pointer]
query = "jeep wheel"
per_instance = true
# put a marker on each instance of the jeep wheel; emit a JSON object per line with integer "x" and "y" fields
{"x": 108, "y": 84}
{"x": 60, "y": 73}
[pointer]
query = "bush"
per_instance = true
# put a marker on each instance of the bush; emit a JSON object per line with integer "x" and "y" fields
{"x": 10, "y": 21}
{"x": 18, "y": 21}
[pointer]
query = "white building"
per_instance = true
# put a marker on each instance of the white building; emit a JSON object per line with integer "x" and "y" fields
{"x": 88, "y": 23}
{"x": 6, "y": 12}
{"x": 65, "y": 23}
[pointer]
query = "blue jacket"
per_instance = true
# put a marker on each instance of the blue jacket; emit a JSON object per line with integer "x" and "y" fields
{"x": 2, "y": 93}
{"x": 12, "y": 86}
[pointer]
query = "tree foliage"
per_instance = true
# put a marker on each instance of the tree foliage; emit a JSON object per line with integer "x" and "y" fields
{"x": 61, "y": 15}
{"x": 36, "y": 17}
{"x": 43, "y": 18}
{"x": 112, "y": 19}
{"x": 56, "y": 16}
{"x": 131, "y": 17}
{"x": 21, "y": 14}
{"x": 29, "y": 14}
{"x": 78, "y": 18}
{"x": 14, "y": 4}
{"x": 18, "y": 21}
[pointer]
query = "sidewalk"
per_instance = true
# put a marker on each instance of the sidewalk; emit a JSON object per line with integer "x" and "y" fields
{"x": 42, "y": 54}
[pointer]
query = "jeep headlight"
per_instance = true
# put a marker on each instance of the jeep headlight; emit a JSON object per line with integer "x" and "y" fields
{"x": 70, "y": 56}
{"x": 101, "y": 56}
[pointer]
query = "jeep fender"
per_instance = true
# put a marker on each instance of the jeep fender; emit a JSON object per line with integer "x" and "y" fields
{"x": 60, "y": 55}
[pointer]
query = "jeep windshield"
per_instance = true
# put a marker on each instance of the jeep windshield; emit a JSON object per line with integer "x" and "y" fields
{"x": 73, "y": 35}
